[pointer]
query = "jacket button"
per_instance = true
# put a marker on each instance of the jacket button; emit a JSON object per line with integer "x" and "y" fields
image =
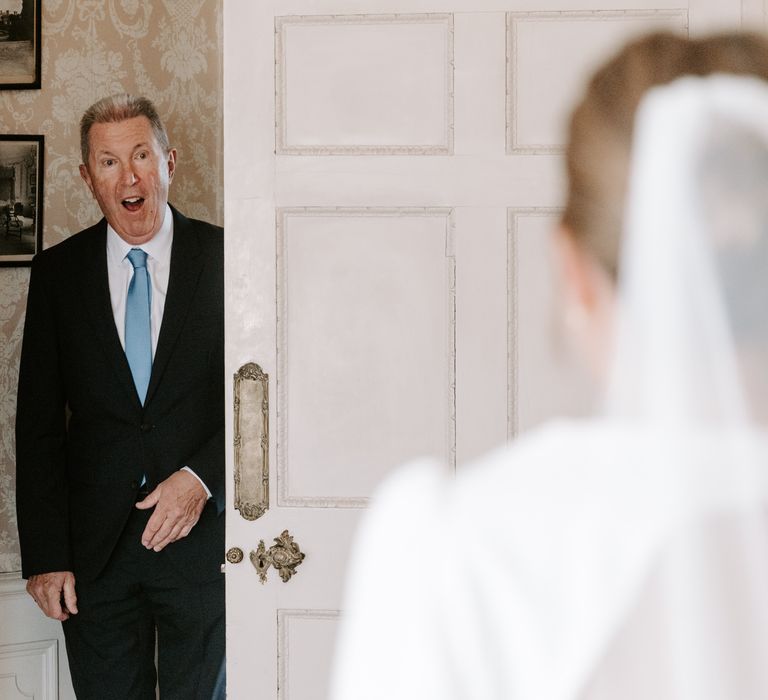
{"x": 146, "y": 427}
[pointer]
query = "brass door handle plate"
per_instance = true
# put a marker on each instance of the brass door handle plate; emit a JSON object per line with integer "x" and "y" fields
{"x": 284, "y": 556}
{"x": 251, "y": 441}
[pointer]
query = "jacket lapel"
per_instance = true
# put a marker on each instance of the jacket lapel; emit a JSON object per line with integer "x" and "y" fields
{"x": 94, "y": 283}
{"x": 186, "y": 266}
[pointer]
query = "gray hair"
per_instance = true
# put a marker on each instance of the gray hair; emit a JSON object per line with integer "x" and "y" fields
{"x": 118, "y": 108}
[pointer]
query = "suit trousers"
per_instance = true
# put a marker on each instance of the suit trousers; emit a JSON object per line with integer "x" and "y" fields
{"x": 140, "y": 594}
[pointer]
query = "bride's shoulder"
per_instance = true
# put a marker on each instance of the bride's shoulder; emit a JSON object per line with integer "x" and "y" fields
{"x": 561, "y": 450}
{"x": 555, "y": 461}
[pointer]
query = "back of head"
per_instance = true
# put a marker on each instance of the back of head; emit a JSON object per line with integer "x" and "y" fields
{"x": 118, "y": 108}
{"x": 602, "y": 124}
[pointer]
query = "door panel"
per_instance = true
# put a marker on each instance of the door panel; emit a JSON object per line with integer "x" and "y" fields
{"x": 305, "y": 649}
{"x": 366, "y": 345}
{"x": 393, "y": 175}
{"x": 395, "y": 97}
{"x": 550, "y": 54}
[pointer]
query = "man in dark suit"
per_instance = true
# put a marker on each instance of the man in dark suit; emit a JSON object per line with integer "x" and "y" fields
{"x": 120, "y": 448}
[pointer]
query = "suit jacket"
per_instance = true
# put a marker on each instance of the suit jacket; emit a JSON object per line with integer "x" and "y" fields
{"x": 83, "y": 439}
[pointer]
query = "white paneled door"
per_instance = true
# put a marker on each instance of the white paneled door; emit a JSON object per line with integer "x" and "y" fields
{"x": 392, "y": 174}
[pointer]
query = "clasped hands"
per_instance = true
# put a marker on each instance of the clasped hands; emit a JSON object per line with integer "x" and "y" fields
{"x": 178, "y": 502}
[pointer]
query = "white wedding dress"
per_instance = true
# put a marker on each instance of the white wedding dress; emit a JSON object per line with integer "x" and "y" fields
{"x": 625, "y": 556}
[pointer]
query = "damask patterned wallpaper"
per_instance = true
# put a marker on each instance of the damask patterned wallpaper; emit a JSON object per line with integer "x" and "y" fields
{"x": 169, "y": 50}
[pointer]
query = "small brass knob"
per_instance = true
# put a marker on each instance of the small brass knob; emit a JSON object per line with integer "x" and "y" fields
{"x": 234, "y": 555}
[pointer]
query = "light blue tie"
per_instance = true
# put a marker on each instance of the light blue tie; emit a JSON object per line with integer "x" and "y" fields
{"x": 138, "y": 334}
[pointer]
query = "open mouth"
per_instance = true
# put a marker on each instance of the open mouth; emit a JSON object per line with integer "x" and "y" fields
{"x": 133, "y": 203}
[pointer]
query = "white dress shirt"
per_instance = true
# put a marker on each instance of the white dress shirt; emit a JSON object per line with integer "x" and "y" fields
{"x": 120, "y": 273}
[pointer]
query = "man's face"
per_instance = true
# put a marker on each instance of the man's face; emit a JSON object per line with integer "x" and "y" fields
{"x": 128, "y": 174}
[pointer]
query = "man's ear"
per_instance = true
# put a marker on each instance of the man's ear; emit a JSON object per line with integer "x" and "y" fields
{"x": 86, "y": 177}
{"x": 171, "y": 164}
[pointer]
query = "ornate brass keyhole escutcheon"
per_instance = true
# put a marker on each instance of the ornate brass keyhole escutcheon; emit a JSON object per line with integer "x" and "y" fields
{"x": 284, "y": 556}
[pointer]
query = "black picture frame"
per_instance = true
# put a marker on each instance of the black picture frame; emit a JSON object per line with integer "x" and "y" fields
{"x": 20, "y": 53}
{"x": 21, "y": 198}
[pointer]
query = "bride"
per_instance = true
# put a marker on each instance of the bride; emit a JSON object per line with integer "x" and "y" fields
{"x": 625, "y": 556}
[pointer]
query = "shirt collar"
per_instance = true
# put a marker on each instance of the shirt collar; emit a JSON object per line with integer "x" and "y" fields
{"x": 157, "y": 247}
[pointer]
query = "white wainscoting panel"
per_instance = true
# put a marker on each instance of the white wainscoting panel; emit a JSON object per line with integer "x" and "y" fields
{"x": 357, "y": 84}
{"x": 549, "y": 57}
{"x": 306, "y": 641}
{"x": 546, "y": 378}
{"x": 366, "y": 348}
{"x": 32, "y": 651}
{"x": 29, "y": 670}
{"x": 9, "y": 689}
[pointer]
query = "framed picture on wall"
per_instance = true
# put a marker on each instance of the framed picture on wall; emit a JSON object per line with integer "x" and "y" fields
{"x": 19, "y": 44}
{"x": 21, "y": 198}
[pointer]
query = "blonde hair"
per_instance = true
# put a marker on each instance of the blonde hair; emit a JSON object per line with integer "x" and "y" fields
{"x": 600, "y": 134}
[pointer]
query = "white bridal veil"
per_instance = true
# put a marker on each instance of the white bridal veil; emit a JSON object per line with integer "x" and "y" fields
{"x": 692, "y": 336}
{"x": 690, "y": 363}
